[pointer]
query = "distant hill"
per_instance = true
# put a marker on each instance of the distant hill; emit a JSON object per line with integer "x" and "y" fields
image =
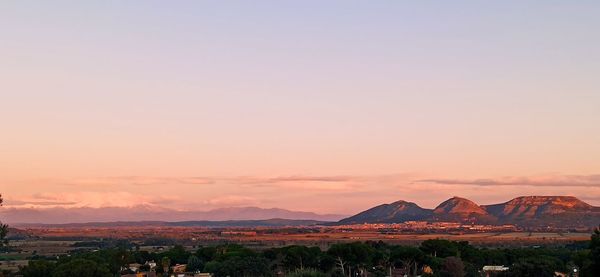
{"x": 273, "y": 222}
{"x": 150, "y": 213}
{"x": 462, "y": 210}
{"x": 526, "y": 211}
{"x": 14, "y": 233}
{"x": 398, "y": 211}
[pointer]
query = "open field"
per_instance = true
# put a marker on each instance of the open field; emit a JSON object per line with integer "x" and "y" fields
{"x": 12, "y": 265}
{"x": 54, "y": 242}
{"x": 267, "y": 237}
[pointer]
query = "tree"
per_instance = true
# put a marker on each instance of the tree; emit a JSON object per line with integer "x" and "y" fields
{"x": 408, "y": 258}
{"x": 166, "y": 263}
{"x": 306, "y": 273}
{"x": 39, "y": 268}
{"x": 194, "y": 264}
{"x": 300, "y": 257}
{"x": 117, "y": 258}
{"x": 212, "y": 266}
{"x": 453, "y": 267}
{"x": 242, "y": 266}
{"x": 382, "y": 260}
{"x": 594, "y": 267}
{"x": 534, "y": 267}
{"x": 81, "y": 267}
{"x": 3, "y": 229}
{"x": 440, "y": 248}
{"x": 177, "y": 254}
{"x": 352, "y": 256}
{"x": 206, "y": 253}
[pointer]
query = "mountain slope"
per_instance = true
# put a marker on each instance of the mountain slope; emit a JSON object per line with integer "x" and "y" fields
{"x": 546, "y": 211}
{"x": 458, "y": 205}
{"x": 527, "y": 211}
{"x": 529, "y": 207}
{"x": 398, "y": 211}
{"x": 458, "y": 209}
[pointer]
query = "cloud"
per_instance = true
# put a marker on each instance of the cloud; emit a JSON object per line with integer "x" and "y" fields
{"x": 12, "y": 202}
{"x": 281, "y": 179}
{"x": 300, "y": 192}
{"x": 327, "y": 182}
{"x": 89, "y": 199}
{"x": 537, "y": 181}
{"x": 141, "y": 181}
{"x": 318, "y": 193}
{"x": 333, "y": 179}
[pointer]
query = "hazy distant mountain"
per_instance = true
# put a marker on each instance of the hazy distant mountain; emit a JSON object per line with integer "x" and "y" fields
{"x": 274, "y": 222}
{"x": 398, "y": 211}
{"x": 150, "y": 213}
{"x": 527, "y": 211}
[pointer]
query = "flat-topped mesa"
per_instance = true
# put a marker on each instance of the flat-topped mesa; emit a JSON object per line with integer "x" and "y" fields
{"x": 532, "y": 206}
{"x": 459, "y": 205}
{"x": 569, "y": 202}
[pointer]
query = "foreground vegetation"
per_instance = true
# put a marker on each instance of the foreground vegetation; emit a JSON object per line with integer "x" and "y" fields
{"x": 432, "y": 258}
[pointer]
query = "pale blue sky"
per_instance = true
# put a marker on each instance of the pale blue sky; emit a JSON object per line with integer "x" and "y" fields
{"x": 457, "y": 89}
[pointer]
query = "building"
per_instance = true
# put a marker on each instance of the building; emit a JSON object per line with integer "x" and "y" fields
{"x": 179, "y": 268}
{"x": 135, "y": 267}
{"x": 491, "y": 270}
{"x": 151, "y": 264}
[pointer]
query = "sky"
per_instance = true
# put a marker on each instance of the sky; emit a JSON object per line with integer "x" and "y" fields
{"x": 328, "y": 107}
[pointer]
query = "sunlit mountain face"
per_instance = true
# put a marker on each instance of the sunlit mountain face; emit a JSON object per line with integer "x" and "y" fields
{"x": 527, "y": 211}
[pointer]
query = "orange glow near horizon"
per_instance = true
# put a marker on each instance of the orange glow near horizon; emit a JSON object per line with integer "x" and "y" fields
{"x": 107, "y": 105}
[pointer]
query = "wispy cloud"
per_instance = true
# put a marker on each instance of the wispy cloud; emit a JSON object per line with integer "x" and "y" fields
{"x": 539, "y": 181}
{"x": 141, "y": 181}
{"x": 319, "y": 193}
{"x": 12, "y": 202}
{"x": 208, "y": 192}
{"x": 328, "y": 183}
{"x": 333, "y": 179}
{"x": 89, "y": 199}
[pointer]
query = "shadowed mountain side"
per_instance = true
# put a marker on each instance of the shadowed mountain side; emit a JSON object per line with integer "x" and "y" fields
{"x": 387, "y": 213}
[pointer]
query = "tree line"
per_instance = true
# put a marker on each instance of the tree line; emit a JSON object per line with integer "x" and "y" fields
{"x": 435, "y": 257}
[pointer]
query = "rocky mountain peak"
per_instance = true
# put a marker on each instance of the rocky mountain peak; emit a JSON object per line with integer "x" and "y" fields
{"x": 459, "y": 205}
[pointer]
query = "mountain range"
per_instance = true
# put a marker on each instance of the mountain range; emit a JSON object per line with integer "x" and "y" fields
{"x": 526, "y": 211}
{"x": 59, "y": 215}
{"x": 274, "y": 222}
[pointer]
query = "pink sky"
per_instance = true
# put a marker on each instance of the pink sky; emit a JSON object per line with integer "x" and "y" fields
{"x": 298, "y": 106}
